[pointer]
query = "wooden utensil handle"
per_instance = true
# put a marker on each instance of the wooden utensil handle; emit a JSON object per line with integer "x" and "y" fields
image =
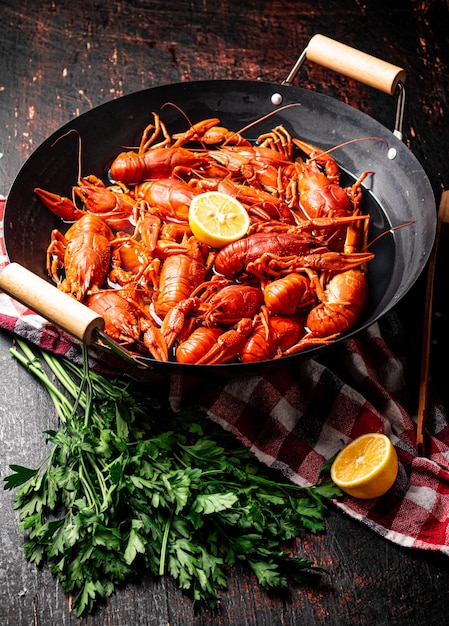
{"x": 46, "y": 300}
{"x": 443, "y": 218}
{"x": 355, "y": 64}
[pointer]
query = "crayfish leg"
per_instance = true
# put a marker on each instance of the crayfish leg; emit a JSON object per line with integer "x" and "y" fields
{"x": 308, "y": 341}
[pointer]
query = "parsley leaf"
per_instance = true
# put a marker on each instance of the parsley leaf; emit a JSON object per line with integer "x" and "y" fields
{"x": 21, "y": 476}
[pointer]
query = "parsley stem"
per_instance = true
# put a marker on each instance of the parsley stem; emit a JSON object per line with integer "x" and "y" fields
{"x": 66, "y": 381}
{"x": 66, "y": 410}
{"x": 101, "y": 480}
{"x": 164, "y": 544}
{"x": 85, "y": 384}
{"x": 273, "y": 483}
{"x": 63, "y": 406}
{"x": 88, "y": 486}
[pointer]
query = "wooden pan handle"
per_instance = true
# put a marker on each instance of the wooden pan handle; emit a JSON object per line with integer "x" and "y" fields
{"x": 46, "y": 300}
{"x": 355, "y": 64}
{"x": 443, "y": 218}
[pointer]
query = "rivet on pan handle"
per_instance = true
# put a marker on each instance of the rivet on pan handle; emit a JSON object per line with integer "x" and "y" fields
{"x": 357, "y": 65}
{"x": 59, "y": 308}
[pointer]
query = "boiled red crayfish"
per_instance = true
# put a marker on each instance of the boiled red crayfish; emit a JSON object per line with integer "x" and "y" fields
{"x": 227, "y": 345}
{"x": 85, "y": 254}
{"x": 208, "y": 132}
{"x": 114, "y": 204}
{"x": 197, "y": 344}
{"x": 341, "y": 302}
{"x": 179, "y": 276}
{"x": 267, "y": 255}
{"x": 271, "y": 335}
{"x": 127, "y": 322}
{"x": 289, "y": 294}
{"x": 169, "y": 196}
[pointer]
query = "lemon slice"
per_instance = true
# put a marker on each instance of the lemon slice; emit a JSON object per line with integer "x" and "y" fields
{"x": 217, "y": 219}
{"x": 367, "y": 467}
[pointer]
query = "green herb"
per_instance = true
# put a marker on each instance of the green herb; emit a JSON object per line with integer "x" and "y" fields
{"x": 129, "y": 485}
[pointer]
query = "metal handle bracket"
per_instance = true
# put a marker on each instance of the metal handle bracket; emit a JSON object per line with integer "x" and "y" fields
{"x": 357, "y": 65}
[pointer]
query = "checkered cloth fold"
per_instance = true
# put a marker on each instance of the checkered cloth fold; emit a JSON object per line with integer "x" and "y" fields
{"x": 296, "y": 418}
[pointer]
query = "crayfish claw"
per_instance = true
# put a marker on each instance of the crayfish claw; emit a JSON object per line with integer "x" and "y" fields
{"x": 155, "y": 342}
{"x": 59, "y": 205}
{"x": 175, "y": 322}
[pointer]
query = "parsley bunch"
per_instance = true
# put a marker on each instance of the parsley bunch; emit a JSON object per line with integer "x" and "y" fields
{"x": 129, "y": 485}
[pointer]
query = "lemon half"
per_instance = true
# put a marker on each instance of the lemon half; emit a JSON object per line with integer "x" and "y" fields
{"x": 367, "y": 467}
{"x": 217, "y": 219}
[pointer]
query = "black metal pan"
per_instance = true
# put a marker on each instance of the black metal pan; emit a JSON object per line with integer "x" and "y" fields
{"x": 399, "y": 192}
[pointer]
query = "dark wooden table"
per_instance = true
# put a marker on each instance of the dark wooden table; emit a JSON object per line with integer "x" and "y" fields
{"x": 59, "y": 59}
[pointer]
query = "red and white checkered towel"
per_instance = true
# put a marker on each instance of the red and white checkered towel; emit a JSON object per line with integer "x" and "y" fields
{"x": 296, "y": 418}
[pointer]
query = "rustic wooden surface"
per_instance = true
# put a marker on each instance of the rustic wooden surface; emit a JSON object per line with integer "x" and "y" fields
{"x": 57, "y": 60}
